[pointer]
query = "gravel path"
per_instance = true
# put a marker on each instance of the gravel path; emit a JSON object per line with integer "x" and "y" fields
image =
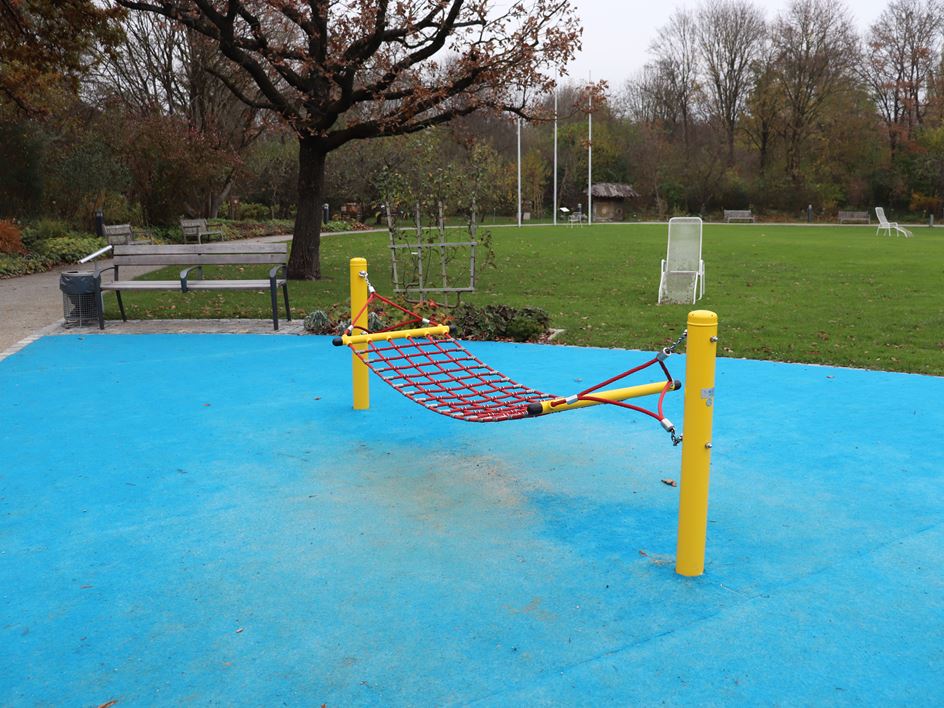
{"x": 31, "y": 305}
{"x": 32, "y": 302}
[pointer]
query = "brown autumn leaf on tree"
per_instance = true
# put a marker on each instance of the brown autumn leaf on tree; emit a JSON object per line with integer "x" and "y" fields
{"x": 45, "y": 44}
{"x": 341, "y": 70}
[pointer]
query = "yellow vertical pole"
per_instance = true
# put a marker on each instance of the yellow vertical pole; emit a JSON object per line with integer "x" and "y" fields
{"x": 701, "y": 347}
{"x": 360, "y": 374}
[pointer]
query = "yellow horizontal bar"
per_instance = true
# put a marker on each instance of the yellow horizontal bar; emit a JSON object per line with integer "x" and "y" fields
{"x": 613, "y": 394}
{"x": 348, "y": 339}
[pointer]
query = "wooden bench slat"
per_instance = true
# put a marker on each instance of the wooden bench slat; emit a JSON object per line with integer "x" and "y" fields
{"x": 141, "y": 285}
{"x": 201, "y": 259}
{"x": 177, "y": 248}
{"x": 231, "y": 284}
{"x": 191, "y": 284}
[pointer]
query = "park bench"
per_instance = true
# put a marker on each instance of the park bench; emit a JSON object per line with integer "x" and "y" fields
{"x": 854, "y": 216}
{"x": 738, "y": 215}
{"x": 197, "y": 229}
{"x": 194, "y": 257}
{"x": 121, "y": 234}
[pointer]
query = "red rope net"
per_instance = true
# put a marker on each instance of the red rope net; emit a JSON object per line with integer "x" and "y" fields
{"x": 437, "y": 372}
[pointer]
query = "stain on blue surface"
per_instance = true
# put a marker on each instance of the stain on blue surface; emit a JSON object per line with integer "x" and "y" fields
{"x": 204, "y": 518}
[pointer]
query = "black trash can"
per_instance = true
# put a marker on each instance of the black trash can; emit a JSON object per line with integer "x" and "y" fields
{"x": 79, "y": 297}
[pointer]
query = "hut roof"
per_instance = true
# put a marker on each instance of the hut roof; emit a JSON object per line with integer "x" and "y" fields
{"x": 612, "y": 190}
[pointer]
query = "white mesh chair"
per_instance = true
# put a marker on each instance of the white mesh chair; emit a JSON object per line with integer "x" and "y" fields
{"x": 887, "y": 225}
{"x": 683, "y": 270}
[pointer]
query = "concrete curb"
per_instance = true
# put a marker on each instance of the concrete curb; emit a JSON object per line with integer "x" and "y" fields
{"x": 26, "y": 341}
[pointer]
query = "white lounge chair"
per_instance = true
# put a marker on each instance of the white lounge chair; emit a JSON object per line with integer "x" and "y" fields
{"x": 887, "y": 225}
{"x": 683, "y": 271}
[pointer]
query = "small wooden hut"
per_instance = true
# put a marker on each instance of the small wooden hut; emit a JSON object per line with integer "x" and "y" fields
{"x": 609, "y": 200}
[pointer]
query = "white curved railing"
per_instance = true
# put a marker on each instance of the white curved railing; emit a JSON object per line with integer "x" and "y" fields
{"x": 93, "y": 256}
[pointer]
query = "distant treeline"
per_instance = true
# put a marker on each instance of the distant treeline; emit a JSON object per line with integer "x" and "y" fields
{"x": 735, "y": 110}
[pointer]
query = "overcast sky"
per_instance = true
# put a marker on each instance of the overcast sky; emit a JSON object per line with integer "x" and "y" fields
{"x": 617, "y": 33}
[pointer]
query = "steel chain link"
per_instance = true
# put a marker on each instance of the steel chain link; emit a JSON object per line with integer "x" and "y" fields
{"x": 676, "y": 439}
{"x": 672, "y": 347}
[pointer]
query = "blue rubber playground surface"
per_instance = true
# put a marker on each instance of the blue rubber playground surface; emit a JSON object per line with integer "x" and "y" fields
{"x": 204, "y": 519}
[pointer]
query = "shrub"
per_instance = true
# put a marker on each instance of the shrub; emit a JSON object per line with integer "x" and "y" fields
{"x": 69, "y": 249}
{"x": 923, "y": 203}
{"x": 321, "y": 322}
{"x": 171, "y": 165}
{"x": 318, "y": 322}
{"x": 117, "y": 209}
{"x": 165, "y": 234}
{"x": 253, "y": 211}
{"x": 11, "y": 240}
{"x": 339, "y": 225}
{"x": 375, "y": 322}
{"x": 11, "y": 266}
{"x": 528, "y": 324}
{"x": 42, "y": 230}
{"x": 520, "y": 324}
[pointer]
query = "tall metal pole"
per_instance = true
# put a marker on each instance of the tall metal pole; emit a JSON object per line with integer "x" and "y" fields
{"x": 590, "y": 154}
{"x": 519, "y": 172}
{"x": 555, "y": 156}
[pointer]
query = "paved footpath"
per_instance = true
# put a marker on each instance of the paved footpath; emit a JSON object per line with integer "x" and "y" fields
{"x": 31, "y": 307}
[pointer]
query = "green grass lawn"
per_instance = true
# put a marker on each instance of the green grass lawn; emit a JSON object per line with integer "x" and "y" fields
{"x": 828, "y": 295}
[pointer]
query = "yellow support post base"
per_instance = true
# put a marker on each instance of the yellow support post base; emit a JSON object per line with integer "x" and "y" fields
{"x": 701, "y": 349}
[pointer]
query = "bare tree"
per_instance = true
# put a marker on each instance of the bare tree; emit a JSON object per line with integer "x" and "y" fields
{"x": 342, "y": 70}
{"x": 763, "y": 107}
{"x": 165, "y": 69}
{"x": 145, "y": 73}
{"x": 815, "y": 49}
{"x": 730, "y": 35}
{"x": 650, "y": 97}
{"x": 904, "y": 50}
{"x": 676, "y": 68}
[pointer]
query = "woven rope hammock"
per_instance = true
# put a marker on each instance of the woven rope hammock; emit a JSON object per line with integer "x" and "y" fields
{"x": 430, "y": 367}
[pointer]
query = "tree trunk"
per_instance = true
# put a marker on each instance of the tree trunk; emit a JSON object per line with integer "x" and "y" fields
{"x": 217, "y": 200}
{"x": 794, "y": 146}
{"x": 305, "y": 260}
{"x": 764, "y": 146}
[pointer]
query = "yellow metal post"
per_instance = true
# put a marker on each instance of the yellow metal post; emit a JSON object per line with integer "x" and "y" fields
{"x": 701, "y": 348}
{"x": 360, "y": 374}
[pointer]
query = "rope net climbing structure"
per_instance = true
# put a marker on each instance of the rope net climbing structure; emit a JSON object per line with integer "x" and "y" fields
{"x": 439, "y": 373}
{"x": 433, "y": 369}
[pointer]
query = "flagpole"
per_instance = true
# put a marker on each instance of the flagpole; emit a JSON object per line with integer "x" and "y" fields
{"x": 555, "y": 156}
{"x": 519, "y": 171}
{"x": 590, "y": 153}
